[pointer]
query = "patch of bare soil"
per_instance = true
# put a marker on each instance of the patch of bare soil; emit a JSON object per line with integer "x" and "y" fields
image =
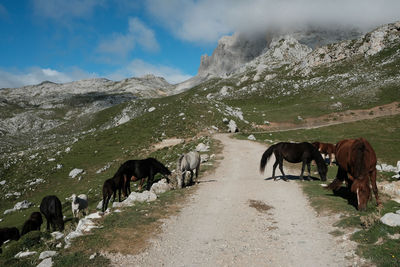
{"x": 335, "y": 118}
{"x": 219, "y": 226}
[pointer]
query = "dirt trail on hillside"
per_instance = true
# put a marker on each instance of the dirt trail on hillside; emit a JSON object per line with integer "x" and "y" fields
{"x": 335, "y": 118}
{"x": 239, "y": 218}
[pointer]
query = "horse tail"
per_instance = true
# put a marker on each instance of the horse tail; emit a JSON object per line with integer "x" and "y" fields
{"x": 178, "y": 163}
{"x": 359, "y": 149}
{"x": 264, "y": 159}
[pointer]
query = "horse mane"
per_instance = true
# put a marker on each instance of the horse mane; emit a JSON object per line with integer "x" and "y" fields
{"x": 158, "y": 165}
{"x": 266, "y": 155}
{"x": 359, "y": 161}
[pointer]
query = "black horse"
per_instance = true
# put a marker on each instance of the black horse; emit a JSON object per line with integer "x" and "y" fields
{"x": 133, "y": 170}
{"x": 294, "y": 153}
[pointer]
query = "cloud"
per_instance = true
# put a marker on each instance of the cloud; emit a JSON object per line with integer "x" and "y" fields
{"x": 207, "y": 20}
{"x": 65, "y": 10}
{"x": 122, "y": 44}
{"x": 36, "y": 75}
{"x": 139, "y": 68}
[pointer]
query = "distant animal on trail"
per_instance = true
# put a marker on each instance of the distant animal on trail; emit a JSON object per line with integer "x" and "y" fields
{"x": 187, "y": 162}
{"x": 8, "y": 234}
{"x": 294, "y": 153}
{"x": 326, "y": 149}
{"x": 357, "y": 167}
{"x": 79, "y": 203}
{"x": 133, "y": 170}
{"x": 52, "y": 211}
{"x": 33, "y": 223}
{"x": 109, "y": 189}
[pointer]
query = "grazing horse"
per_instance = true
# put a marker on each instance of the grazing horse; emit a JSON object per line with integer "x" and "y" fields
{"x": 326, "y": 149}
{"x": 187, "y": 162}
{"x": 294, "y": 153}
{"x": 33, "y": 223}
{"x": 133, "y": 170}
{"x": 52, "y": 210}
{"x": 357, "y": 167}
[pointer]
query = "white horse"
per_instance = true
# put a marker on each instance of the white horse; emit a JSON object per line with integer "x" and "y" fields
{"x": 187, "y": 162}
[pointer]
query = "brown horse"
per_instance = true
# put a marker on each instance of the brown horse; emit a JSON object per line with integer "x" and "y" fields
{"x": 356, "y": 160}
{"x": 326, "y": 149}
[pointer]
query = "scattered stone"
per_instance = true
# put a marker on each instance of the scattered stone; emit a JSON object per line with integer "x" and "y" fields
{"x": 57, "y": 235}
{"x": 202, "y": 147}
{"x": 181, "y": 114}
{"x": 67, "y": 150}
{"x": 75, "y": 172}
{"x": 84, "y": 225}
{"x": 33, "y": 182}
{"x": 391, "y": 219}
{"x": 232, "y": 127}
{"x": 92, "y": 256}
{"x": 204, "y": 158}
{"x": 215, "y": 128}
{"x": 225, "y": 120}
{"x": 47, "y": 254}
{"x": 59, "y": 245}
{"x": 19, "y": 206}
{"x": 145, "y": 196}
{"x": 95, "y": 215}
{"x": 24, "y": 254}
{"x": 59, "y": 166}
{"x": 52, "y": 159}
{"x": 48, "y": 262}
{"x": 151, "y": 109}
{"x": 251, "y": 137}
{"x": 106, "y": 167}
{"x": 160, "y": 187}
{"x": 3, "y": 182}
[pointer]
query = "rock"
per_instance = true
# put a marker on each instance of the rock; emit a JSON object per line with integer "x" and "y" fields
{"x": 225, "y": 120}
{"x": 67, "y": 150}
{"x": 95, "y": 215}
{"x": 3, "y": 182}
{"x": 47, "y": 254}
{"x": 251, "y": 137}
{"x": 48, "y": 262}
{"x": 391, "y": 219}
{"x": 24, "y": 254}
{"x": 204, "y": 158}
{"x": 57, "y": 235}
{"x": 160, "y": 187}
{"x": 19, "y": 206}
{"x": 145, "y": 196}
{"x": 202, "y": 147}
{"x": 151, "y": 109}
{"x": 92, "y": 256}
{"x": 59, "y": 166}
{"x": 75, "y": 172}
{"x": 106, "y": 167}
{"x": 232, "y": 127}
{"x": 59, "y": 245}
{"x": 100, "y": 205}
{"x": 84, "y": 225}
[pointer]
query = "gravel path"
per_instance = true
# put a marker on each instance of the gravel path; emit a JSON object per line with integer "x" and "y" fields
{"x": 238, "y": 218}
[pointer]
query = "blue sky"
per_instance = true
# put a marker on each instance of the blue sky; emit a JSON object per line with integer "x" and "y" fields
{"x": 67, "y": 40}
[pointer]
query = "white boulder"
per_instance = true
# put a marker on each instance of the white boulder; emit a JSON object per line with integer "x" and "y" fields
{"x": 75, "y": 172}
{"x": 251, "y": 137}
{"x": 202, "y": 147}
{"x": 48, "y": 262}
{"x": 232, "y": 127}
{"x": 47, "y": 254}
{"x": 391, "y": 219}
{"x": 160, "y": 187}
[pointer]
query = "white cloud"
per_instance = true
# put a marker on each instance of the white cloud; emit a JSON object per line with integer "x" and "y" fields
{"x": 139, "y": 68}
{"x": 36, "y": 75}
{"x": 65, "y": 10}
{"x": 122, "y": 44}
{"x": 207, "y": 20}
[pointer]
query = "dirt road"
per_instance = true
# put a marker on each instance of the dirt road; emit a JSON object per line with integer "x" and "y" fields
{"x": 237, "y": 218}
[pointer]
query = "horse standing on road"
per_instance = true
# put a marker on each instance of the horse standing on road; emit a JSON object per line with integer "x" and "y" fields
{"x": 294, "y": 153}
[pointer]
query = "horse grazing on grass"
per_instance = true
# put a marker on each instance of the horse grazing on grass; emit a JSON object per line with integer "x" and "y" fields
{"x": 326, "y": 149}
{"x": 187, "y": 162}
{"x": 109, "y": 189}
{"x": 357, "y": 167}
{"x": 133, "y": 170}
{"x": 294, "y": 153}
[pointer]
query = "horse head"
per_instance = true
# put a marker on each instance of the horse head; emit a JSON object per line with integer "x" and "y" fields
{"x": 361, "y": 188}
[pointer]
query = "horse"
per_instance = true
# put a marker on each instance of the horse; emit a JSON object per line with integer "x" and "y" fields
{"x": 133, "y": 170}
{"x": 33, "y": 223}
{"x": 187, "y": 162}
{"x": 356, "y": 161}
{"x": 52, "y": 210}
{"x": 326, "y": 149}
{"x": 109, "y": 189}
{"x": 294, "y": 153}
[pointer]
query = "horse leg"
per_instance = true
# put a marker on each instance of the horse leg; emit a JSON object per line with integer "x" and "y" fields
{"x": 119, "y": 194}
{"x": 150, "y": 180}
{"x": 191, "y": 177}
{"x": 48, "y": 224}
{"x": 197, "y": 171}
{"x": 273, "y": 169}
{"x": 124, "y": 185}
{"x": 374, "y": 187}
{"x": 309, "y": 170}
{"x": 302, "y": 170}
{"x": 281, "y": 169}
